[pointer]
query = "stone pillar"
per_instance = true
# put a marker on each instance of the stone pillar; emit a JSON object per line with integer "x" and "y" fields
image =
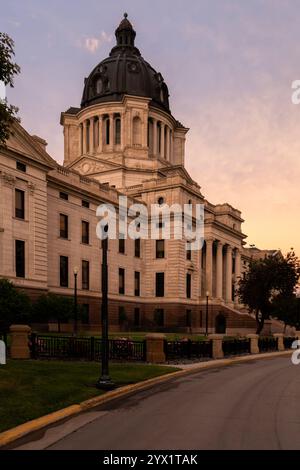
{"x": 111, "y": 131}
{"x": 237, "y": 273}
{"x": 100, "y": 138}
{"x": 171, "y": 147}
{"x": 162, "y": 140}
{"x": 84, "y": 137}
{"x": 155, "y": 348}
{"x": 253, "y": 343}
{"x": 19, "y": 348}
{"x": 229, "y": 274}
{"x": 91, "y": 136}
{"x": 167, "y": 143}
{"x": 279, "y": 337}
{"x": 154, "y": 141}
{"x": 208, "y": 266}
{"x": 217, "y": 349}
{"x": 219, "y": 290}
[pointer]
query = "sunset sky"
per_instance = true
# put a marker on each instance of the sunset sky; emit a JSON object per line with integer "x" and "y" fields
{"x": 229, "y": 65}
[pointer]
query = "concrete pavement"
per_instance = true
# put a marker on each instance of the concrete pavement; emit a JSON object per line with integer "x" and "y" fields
{"x": 250, "y": 405}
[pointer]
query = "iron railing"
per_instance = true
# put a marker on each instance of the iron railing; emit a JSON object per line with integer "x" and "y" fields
{"x": 88, "y": 348}
{"x": 236, "y": 347}
{"x": 175, "y": 350}
{"x": 288, "y": 341}
{"x": 267, "y": 344}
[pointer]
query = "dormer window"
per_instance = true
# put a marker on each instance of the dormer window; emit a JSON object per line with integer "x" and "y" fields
{"x": 99, "y": 86}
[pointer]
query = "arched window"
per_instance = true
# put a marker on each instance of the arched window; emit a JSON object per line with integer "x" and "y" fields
{"x": 87, "y": 136}
{"x": 150, "y": 136}
{"x": 137, "y": 131}
{"x": 158, "y": 138}
{"x": 99, "y": 86}
{"x": 96, "y": 133}
{"x": 107, "y": 130}
{"x": 118, "y": 131}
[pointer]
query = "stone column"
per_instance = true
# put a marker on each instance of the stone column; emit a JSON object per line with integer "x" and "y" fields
{"x": 111, "y": 131}
{"x": 229, "y": 274}
{"x": 219, "y": 290}
{"x": 100, "y": 138}
{"x": 171, "y": 147}
{"x": 217, "y": 349}
{"x": 162, "y": 140}
{"x": 154, "y": 140}
{"x": 84, "y": 137}
{"x": 237, "y": 273}
{"x": 155, "y": 348}
{"x": 91, "y": 136}
{"x": 253, "y": 343}
{"x": 208, "y": 266}
{"x": 279, "y": 337}
{"x": 19, "y": 348}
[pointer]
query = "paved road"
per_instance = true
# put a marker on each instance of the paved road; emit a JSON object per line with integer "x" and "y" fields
{"x": 254, "y": 405}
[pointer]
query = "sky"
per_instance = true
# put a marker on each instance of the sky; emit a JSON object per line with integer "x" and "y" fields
{"x": 229, "y": 66}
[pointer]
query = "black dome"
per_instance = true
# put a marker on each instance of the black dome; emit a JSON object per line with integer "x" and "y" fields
{"x": 125, "y": 72}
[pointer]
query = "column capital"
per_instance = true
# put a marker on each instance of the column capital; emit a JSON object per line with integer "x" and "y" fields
{"x": 209, "y": 241}
{"x": 220, "y": 244}
{"x": 229, "y": 248}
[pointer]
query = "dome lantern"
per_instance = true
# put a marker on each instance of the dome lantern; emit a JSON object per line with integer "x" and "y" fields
{"x": 125, "y": 33}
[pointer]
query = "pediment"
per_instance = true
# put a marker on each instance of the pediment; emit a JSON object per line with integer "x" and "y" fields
{"x": 89, "y": 165}
{"x": 24, "y": 144}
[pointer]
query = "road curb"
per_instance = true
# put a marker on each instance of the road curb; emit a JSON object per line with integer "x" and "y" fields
{"x": 11, "y": 435}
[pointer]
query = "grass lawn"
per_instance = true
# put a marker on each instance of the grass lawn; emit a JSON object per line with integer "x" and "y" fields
{"x": 134, "y": 335}
{"x": 29, "y": 389}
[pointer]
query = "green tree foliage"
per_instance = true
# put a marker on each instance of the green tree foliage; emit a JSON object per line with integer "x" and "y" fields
{"x": 268, "y": 282}
{"x": 15, "y": 305}
{"x": 8, "y": 69}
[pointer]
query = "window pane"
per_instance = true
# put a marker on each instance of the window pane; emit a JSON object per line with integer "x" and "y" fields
{"x": 121, "y": 244}
{"x": 136, "y": 283}
{"x": 121, "y": 281}
{"x": 136, "y": 317}
{"x": 160, "y": 248}
{"x": 118, "y": 131}
{"x": 85, "y": 275}
{"x": 19, "y": 204}
{"x": 137, "y": 247}
{"x": 85, "y": 229}
{"x": 160, "y": 284}
{"x": 188, "y": 285}
{"x": 20, "y": 258}
{"x": 63, "y": 227}
{"x": 64, "y": 271}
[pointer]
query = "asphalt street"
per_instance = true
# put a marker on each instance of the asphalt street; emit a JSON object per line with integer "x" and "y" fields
{"x": 253, "y": 405}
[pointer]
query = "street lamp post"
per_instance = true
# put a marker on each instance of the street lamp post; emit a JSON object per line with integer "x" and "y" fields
{"x": 75, "y": 271}
{"x": 105, "y": 381}
{"x": 206, "y": 318}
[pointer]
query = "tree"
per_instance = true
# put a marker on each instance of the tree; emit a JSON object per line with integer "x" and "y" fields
{"x": 49, "y": 307}
{"x": 15, "y": 305}
{"x": 8, "y": 69}
{"x": 266, "y": 282}
{"x": 286, "y": 309}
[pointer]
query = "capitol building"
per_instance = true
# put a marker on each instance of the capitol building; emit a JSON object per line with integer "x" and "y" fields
{"x": 122, "y": 140}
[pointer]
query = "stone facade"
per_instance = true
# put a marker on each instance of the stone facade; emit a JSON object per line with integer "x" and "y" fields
{"x": 126, "y": 147}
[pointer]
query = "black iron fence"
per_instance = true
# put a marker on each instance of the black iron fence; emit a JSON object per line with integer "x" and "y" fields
{"x": 288, "y": 341}
{"x": 188, "y": 349}
{"x": 267, "y": 344}
{"x": 88, "y": 348}
{"x": 236, "y": 347}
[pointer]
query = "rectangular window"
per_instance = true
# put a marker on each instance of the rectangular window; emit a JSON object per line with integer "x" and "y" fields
{"x": 136, "y": 283}
{"x": 85, "y": 232}
{"x": 137, "y": 247}
{"x": 63, "y": 226}
{"x": 21, "y": 167}
{"x": 20, "y": 258}
{"x": 160, "y": 248}
{"x": 159, "y": 317}
{"x": 64, "y": 271}
{"x": 122, "y": 244}
{"x": 63, "y": 196}
{"x": 188, "y": 285}
{"x": 188, "y": 251}
{"x": 19, "y": 204}
{"x": 160, "y": 285}
{"x": 122, "y": 315}
{"x": 85, "y": 204}
{"x": 85, "y": 275}
{"x": 189, "y": 318}
{"x": 85, "y": 314}
{"x": 136, "y": 319}
{"x": 121, "y": 281}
